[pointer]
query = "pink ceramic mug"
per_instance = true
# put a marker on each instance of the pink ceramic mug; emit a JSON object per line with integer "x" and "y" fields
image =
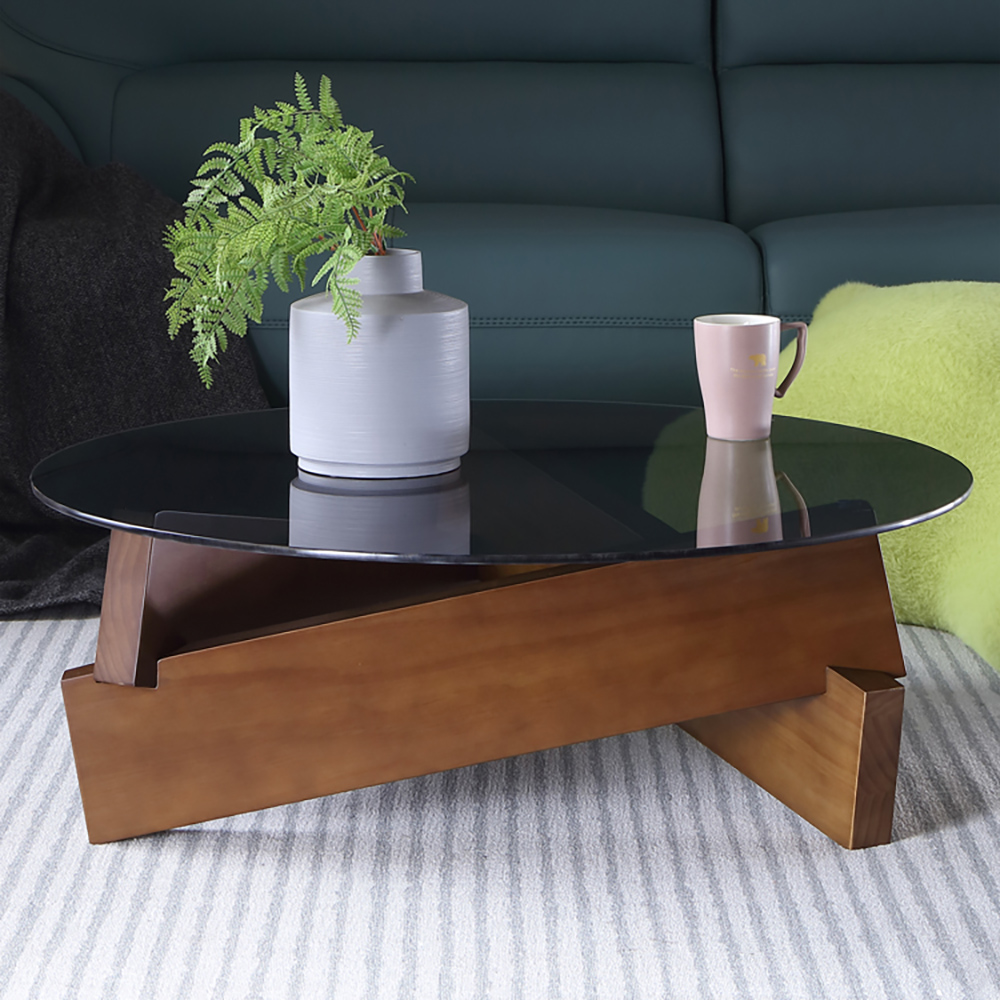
{"x": 737, "y": 356}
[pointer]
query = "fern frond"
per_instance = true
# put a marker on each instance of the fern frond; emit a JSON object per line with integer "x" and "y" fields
{"x": 213, "y": 163}
{"x": 226, "y": 148}
{"x": 327, "y": 105}
{"x": 299, "y": 183}
{"x": 302, "y": 94}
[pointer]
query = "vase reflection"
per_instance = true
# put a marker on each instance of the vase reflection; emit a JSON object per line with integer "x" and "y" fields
{"x": 427, "y": 516}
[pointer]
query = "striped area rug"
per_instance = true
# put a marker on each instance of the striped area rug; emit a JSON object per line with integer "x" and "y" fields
{"x": 634, "y": 867}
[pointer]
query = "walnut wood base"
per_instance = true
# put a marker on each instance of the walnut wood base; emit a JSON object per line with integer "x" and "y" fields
{"x": 831, "y": 757}
{"x": 227, "y": 682}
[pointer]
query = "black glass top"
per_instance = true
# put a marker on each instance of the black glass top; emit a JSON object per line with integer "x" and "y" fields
{"x": 544, "y": 482}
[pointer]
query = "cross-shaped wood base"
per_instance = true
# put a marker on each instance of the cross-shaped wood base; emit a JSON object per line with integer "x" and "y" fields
{"x": 228, "y": 681}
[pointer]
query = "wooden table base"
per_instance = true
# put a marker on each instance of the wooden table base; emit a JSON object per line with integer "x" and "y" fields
{"x": 226, "y": 681}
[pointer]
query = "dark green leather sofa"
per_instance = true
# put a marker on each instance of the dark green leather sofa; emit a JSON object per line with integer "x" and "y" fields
{"x": 589, "y": 176}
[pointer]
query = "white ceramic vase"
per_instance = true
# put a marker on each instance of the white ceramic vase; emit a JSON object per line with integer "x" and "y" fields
{"x": 392, "y": 403}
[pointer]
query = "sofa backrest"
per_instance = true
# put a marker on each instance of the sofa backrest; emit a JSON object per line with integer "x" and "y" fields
{"x": 606, "y": 105}
{"x": 825, "y": 107}
{"x": 854, "y": 104}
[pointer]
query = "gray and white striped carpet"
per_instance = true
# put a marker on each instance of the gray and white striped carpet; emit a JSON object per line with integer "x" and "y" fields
{"x": 634, "y": 867}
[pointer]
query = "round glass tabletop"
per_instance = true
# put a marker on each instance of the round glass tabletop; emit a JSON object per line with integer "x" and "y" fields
{"x": 543, "y": 482}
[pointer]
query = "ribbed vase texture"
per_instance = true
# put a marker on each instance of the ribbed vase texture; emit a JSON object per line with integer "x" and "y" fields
{"x": 394, "y": 402}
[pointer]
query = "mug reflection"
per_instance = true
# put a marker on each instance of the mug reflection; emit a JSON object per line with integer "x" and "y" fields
{"x": 738, "y": 503}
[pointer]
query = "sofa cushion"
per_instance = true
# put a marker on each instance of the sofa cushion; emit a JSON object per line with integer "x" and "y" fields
{"x": 804, "y": 258}
{"x": 756, "y": 32}
{"x": 37, "y": 105}
{"x": 189, "y": 31}
{"x": 76, "y": 55}
{"x": 811, "y": 139}
{"x": 581, "y": 303}
{"x": 922, "y": 361}
{"x": 617, "y": 135}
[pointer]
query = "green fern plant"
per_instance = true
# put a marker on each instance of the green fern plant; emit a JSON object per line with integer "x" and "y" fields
{"x": 298, "y": 183}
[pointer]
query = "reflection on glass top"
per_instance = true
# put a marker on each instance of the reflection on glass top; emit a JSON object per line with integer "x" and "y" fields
{"x": 542, "y": 482}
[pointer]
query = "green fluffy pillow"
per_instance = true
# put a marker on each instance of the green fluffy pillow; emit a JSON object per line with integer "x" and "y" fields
{"x": 923, "y": 362}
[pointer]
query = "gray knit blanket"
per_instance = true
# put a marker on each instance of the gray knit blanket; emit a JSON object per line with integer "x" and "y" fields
{"x": 83, "y": 345}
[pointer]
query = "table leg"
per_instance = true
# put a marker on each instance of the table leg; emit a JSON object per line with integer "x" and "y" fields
{"x": 832, "y": 757}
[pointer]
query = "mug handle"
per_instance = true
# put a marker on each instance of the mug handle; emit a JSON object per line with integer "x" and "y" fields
{"x": 805, "y": 528}
{"x": 800, "y": 356}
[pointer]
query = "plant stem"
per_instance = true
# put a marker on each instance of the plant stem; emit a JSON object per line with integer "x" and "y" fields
{"x": 379, "y": 245}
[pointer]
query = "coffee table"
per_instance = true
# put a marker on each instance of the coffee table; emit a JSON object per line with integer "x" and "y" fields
{"x": 592, "y": 569}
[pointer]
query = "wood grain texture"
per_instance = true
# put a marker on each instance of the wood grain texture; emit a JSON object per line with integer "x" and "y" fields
{"x": 161, "y": 596}
{"x": 516, "y": 664}
{"x": 832, "y": 758}
{"x": 118, "y": 639}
